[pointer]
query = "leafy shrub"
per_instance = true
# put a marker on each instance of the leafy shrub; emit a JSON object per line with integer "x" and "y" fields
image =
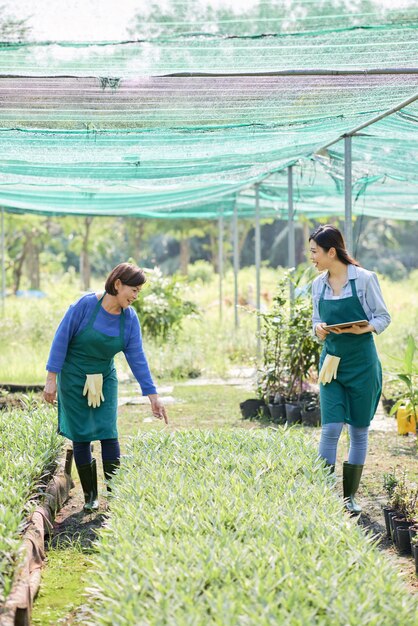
{"x": 161, "y": 307}
{"x": 289, "y": 347}
{"x": 200, "y": 271}
{"x": 29, "y": 445}
{"x": 237, "y": 528}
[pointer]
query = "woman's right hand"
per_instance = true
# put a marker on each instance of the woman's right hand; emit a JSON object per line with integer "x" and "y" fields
{"x": 320, "y": 331}
{"x": 50, "y": 389}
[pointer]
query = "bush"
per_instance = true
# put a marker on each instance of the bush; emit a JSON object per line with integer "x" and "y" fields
{"x": 236, "y": 528}
{"x": 162, "y": 308}
{"x": 200, "y": 271}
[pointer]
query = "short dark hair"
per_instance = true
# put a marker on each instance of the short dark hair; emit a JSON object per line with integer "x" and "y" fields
{"x": 128, "y": 274}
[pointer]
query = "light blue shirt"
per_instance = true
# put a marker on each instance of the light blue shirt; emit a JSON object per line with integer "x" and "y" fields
{"x": 368, "y": 291}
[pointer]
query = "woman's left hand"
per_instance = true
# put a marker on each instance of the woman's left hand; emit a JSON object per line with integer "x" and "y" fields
{"x": 158, "y": 408}
{"x": 354, "y": 330}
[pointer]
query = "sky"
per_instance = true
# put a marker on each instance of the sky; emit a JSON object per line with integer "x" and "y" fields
{"x": 97, "y": 20}
{"x": 84, "y": 20}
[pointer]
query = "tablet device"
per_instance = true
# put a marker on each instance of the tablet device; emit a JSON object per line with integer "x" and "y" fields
{"x": 347, "y": 324}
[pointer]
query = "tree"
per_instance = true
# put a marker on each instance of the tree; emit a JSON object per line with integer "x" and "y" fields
{"x": 12, "y": 29}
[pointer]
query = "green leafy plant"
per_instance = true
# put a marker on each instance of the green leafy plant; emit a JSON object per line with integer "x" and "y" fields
{"x": 390, "y": 481}
{"x": 290, "y": 349}
{"x": 399, "y": 497}
{"x": 225, "y": 527}
{"x": 408, "y": 374}
{"x": 162, "y": 307}
{"x": 29, "y": 447}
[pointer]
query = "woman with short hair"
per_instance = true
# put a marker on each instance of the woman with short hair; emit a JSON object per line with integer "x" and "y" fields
{"x": 81, "y": 371}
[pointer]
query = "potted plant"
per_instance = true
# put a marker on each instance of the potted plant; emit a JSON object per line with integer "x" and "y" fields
{"x": 290, "y": 354}
{"x": 390, "y": 481}
{"x": 414, "y": 546}
{"x": 392, "y": 392}
{"x": 406, "y": 408}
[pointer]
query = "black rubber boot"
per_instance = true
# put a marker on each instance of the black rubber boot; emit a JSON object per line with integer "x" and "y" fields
{"x": 88, "y": 479}
{"x": 330, "y": 466}
{"x": 351, "y": 481}
{"x": 110, "y": 468}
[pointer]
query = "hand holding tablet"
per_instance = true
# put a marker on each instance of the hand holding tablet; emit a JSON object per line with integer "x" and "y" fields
{"x": 346, "y": 324}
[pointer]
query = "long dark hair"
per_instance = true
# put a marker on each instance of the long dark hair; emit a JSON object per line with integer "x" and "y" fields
{"x": 327, "y": 237}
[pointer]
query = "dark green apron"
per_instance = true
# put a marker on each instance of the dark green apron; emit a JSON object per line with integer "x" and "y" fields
{"x": 90, "y": 352}
{"x": 354, "y": 395}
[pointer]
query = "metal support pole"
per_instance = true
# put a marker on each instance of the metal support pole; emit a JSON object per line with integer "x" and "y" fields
{"x": 3, "y": 265}
{"x": 236, "y": 261}
{"x": 221, "y": 260}
{"x": 258, "y": 264}
{"x": 348, "y": 219}
{"x": 291, "y": 227}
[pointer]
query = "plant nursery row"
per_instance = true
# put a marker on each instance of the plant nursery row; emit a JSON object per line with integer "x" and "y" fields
{"x": 29, "y": 448}
{"x": 236, "y": 528}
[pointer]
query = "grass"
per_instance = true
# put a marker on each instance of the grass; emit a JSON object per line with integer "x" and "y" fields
{"x": 64, "y": 576}
{"x": 205, "y": 345}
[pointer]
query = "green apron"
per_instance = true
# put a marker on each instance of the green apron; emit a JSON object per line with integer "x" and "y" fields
{"x": 90, "y": 352}
{"x": 354, "y": 395}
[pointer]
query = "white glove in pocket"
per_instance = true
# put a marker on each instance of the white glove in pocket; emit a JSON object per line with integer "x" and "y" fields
{"x": 93, "y": 389}
{"x": 329, "y": 369}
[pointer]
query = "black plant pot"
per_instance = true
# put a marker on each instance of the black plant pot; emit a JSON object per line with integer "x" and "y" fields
{"x": 413, "y": 531}
{"x": 388, "y": 403}
{"x": 250, "y": 408}
{"x": 293, "y": 414}
{"x": 277, "y": 413}
{"x": 392, "y": 516}
{"x": 386, "y": 511}
{"x": 403, "y": 542}
{"x": 398, "y": 523}
{"x": 414, "y": 547}
{"x": 311, "y": 415}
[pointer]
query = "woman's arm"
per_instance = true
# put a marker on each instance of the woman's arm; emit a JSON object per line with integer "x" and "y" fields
{"x": 138, "y": 363}
{"x": 66, "y": 330}
{"x": 136, "y": 358}
{"x": 380, "y": 318}
{"x": 50, "y": 389}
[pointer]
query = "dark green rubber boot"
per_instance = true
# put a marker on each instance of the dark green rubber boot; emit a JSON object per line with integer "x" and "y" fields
{"x": 110, "y": 468}
{"x": 351, "y": 481}
{"x": 88, "y": 479}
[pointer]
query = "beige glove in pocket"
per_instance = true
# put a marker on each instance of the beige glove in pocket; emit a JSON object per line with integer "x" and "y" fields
{"x": 93, "y": 389}
{"x": 329, "y": 369}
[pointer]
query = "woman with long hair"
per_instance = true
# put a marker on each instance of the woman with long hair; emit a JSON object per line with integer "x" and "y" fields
{"x": 350, "y": 370}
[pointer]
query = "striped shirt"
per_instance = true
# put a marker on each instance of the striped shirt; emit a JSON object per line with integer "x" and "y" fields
{"x": 76, "y": 319}
{"x": 368, "y": 292}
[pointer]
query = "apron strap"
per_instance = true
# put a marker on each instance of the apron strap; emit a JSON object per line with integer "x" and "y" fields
{"x": 321, "y": 297}
{"x": 121, "y": 320}
{"x": 95, "y": 312}
{"x": 353, "y": 287}
{"x": 122, "y": 328}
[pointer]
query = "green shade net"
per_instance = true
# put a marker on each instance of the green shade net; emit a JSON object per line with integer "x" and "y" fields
{"x": 102, "y": 129}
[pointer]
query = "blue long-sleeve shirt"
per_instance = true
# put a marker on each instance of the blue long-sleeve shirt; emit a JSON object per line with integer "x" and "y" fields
{"x": 76, "y": 319}
{"x": 368, "y": 291}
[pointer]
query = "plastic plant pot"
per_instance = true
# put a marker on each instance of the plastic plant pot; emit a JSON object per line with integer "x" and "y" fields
{"x": 277, "y": 413}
